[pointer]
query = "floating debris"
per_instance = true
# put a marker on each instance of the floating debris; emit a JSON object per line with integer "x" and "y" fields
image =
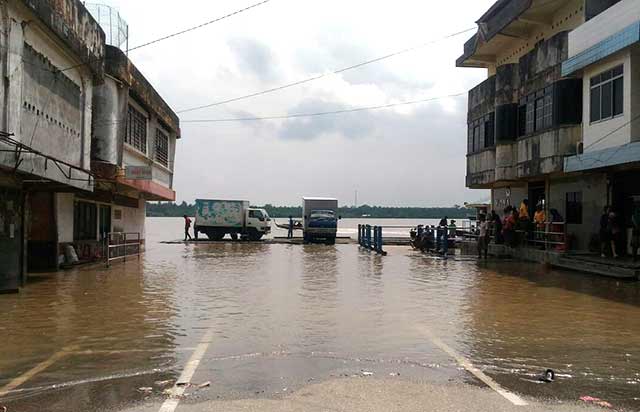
{"x": 548, "y": 376}
{"x": 367, "y": 373}
{"x": 394, "y": 374}
{"x": 163, "y": 383}
{"x": 596, "y": 401}
{"x": 204, "y": 385}
{"x": 145, "y": 389}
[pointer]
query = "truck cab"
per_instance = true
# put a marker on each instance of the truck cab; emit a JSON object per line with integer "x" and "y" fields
{"x": 320, "y": 219}
{"x": 259, "y": 220}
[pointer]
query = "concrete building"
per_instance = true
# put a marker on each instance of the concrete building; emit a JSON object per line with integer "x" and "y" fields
{"x": 51, "y": 61}
{"x": 529, "y": 122}
{"x": 85, "y": 140}
{"x": 133, "y": 144}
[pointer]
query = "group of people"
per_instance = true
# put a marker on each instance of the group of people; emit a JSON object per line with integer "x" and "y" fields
{"x": 515, "y": 221}
{"x": 612, "y": 235}
{"x": 435, "y": 238}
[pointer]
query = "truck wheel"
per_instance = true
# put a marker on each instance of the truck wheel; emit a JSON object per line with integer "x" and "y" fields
{"x": 255, "y": 236}
{"x": 215, "y": 235}
{"x": 331, "y": 241}
{"x": 195, "y": 232}
{"x": 234, "y": 236}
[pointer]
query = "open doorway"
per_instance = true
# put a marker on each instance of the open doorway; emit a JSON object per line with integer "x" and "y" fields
{"x": 42, "y": 237}
{"x": 537, "y": 195}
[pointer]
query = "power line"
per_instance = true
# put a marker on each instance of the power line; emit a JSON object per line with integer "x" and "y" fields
{"x": 149, "y": 43}
{"x": 200, "y": 25}
{"x": 333, "y": 112}
{"x": 334, "y": 72}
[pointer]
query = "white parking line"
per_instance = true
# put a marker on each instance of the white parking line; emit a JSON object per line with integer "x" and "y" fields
{"x": 189, "y": 370}
{"x": 511, "y": 397}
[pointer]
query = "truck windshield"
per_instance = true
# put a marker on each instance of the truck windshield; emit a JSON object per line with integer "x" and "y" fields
{"x": 323, "y": 214}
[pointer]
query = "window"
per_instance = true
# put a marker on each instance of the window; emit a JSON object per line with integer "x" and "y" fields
{"x": 481, "y": 133}
{"x": 85, "y": 221}
{"x": 607, "y": 94}
{"x": 162, "y": 148}
{"x": 136, "y": 133}
{"x": 489, "y": 130}
{"x": 536, "y": 112}
{"x": 574, "y": 208}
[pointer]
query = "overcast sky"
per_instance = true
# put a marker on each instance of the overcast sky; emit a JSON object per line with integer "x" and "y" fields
{"x": 404, "y": 156}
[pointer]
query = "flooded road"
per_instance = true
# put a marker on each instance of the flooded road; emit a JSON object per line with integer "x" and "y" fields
{"x": 279, "y": 317}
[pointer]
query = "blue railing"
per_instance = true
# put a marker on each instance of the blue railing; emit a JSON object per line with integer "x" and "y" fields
{"x": 370, "y": 237}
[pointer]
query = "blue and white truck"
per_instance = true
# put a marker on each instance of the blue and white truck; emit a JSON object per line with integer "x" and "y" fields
{"x": 320, "y": 219}
{"x": 218, "y": 218}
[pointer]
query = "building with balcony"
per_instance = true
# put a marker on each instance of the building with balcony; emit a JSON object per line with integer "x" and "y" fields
{"x": 526, "y": 119}
{"x": 51, "y": 62}
{"x": 134, "y": 134}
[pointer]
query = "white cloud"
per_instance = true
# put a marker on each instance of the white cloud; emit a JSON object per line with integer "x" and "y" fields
{"x": 409, "y": 155}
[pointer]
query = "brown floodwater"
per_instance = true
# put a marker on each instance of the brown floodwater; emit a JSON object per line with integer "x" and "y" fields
{"x": 286, "y": 315}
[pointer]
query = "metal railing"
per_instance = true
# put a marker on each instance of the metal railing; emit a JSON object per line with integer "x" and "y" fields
{"x": 121, "y": 245}
{"x": 548, "y": 234}
{"x": 551, "y": 235}
{"x": 370, "y": 237}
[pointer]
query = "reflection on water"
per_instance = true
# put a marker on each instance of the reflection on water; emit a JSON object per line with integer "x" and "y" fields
{"x": 286, "y": 312}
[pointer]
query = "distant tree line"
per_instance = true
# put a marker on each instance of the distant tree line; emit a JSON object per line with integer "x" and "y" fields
{"x": 374, "y": 212}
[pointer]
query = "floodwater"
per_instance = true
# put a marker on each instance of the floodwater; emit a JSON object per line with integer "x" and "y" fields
{"x": 282, "y": 316}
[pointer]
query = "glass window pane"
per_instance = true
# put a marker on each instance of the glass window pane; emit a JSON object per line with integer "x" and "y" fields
{"x": 530, "y": 118}
{"x": 607, "y": 100}
{"x": 606, "y": 76}
{"x": 539, "y": 114}
{"x": 595, "y": 104}
{"x": 618, "y": 71}
{"x": 595, "y": 80}
{"x": 618, "y": 96}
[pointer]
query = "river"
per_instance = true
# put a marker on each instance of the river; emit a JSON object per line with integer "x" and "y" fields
{"x": 282, "y": 316}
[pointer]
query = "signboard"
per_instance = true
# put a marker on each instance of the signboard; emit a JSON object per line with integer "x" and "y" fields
{"x": 138, "y": 173}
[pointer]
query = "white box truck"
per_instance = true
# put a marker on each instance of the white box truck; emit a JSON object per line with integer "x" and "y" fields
{"x": 320, "y": 219}
{"x": 218, "y": 218}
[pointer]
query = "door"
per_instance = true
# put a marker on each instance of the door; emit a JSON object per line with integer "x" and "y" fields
{"x": 41, "y": 240}
{"x": 537, "y": 196}
{"x": 11, "y": 236}
{"x": 104, "y": 221}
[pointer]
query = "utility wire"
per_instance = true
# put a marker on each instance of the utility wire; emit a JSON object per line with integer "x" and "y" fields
{"x": 149, "y": 43}
{"x": 333, "y": 112}
{"x": 199, "y": 26}
{"x": 334, "y": 72}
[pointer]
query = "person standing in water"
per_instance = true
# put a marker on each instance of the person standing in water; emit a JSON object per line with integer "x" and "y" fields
{"x": 187, "y": 226}
{"x": 290, "y": 233}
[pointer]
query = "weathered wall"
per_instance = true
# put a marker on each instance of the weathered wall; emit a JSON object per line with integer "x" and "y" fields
{"x": 506, "y": 156}
{"x": 109, "y": 121}
{"x": 594, "y": 199}
{"x": 482, "y": 99}
{"x": 544, "y": 153}
{"x": 132, "y": 219}
{"x": 48, "y": 90}
{"x": 74, "y": 26}
{"x": 481, "y": 168}
{"x": 64, "y": 216}
{"x": 500, "y": 199}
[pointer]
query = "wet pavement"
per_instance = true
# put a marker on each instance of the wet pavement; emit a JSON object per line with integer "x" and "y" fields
{"x": 275, "y": 320}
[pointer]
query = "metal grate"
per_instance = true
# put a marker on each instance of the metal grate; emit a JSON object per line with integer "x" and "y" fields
{"x": 162, "y": 148}
{"x": 136, "y": 134}
{"x": 115, "y": 27}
